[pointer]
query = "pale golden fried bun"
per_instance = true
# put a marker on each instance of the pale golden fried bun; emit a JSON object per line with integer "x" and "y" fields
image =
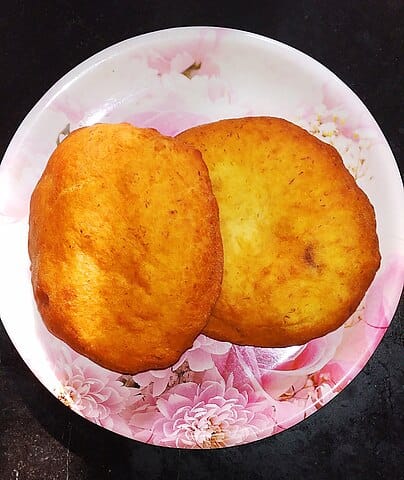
{"x": 299, "y": 236}
{"x": 125, "y": 246}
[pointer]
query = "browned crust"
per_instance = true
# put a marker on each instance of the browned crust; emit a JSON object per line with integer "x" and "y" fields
{"x": 125, "y": 247}
{"x": 314, "y": 251}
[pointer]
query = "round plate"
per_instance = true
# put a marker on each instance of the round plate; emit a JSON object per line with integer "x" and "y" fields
{"x": 218, "y": 394}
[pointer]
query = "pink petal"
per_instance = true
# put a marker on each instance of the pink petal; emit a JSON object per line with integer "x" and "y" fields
{"x": 145, "y": 420}
{"x": 199, "y": 360}
{"x": 169, "y": 430}
{"x": 211, "y": 346}
{"x": 181, "y": 62}
{"x": 120, "y": 426}
{"x": 188, "y": 390}
{"x": 159, "y": 385}
{"x": 315, "y": 354}
{"x": 229, "y": 364}
{"x": 212, "y": 375}
{"x": 168, "y": 407}
{"x": 210, "y": 390}
{"x": 144, "y": 378}
{"x": 144, "y": 436}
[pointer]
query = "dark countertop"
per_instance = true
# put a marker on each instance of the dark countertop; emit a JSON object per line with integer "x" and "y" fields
{"x": 359, "y": 434}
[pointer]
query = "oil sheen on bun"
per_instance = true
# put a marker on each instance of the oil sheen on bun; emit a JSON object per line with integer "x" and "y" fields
{"x": 125, "y": 246}
{"x": 299, "y": 235}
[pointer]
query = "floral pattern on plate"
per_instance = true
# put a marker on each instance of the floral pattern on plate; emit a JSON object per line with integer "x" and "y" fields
{"x": 217, "y": 394}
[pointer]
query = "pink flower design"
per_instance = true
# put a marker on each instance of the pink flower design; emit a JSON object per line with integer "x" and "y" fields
{"x": 365, "y": 330}
{"x": 220, "y": 394}
{"x": 267, "y": 370}
{"x": 201, "y": 355}
{"x": 312, "y": 358}
{"x": 360, "y": 336}
{"x": 167, "y": 122}
{"x": 334, "y": 99}
{"x": 199, "y": 358}
{"x": 207, "y": 415}
{"x": 143, "y": 409}
{"x": 73, "y": 111}
{"x": 160, "y": 380}
{"x": 336, "y": 122}
{"x": 194, "y": 56}
{"x": 19, "y": 173}
{"x": 307, "y": 394}
{"x": 294, "y": 381}
{"x": 380, "y": 299}
{"x": 91, "y": 391}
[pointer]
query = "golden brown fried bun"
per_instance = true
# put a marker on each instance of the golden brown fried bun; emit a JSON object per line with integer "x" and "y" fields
{"x": 299, "y": 236}
{"x": 125, "y": 246}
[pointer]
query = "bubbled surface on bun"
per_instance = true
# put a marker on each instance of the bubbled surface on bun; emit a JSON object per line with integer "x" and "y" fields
{"x": 299, "y": 235}
{"x": 125, "y": 246}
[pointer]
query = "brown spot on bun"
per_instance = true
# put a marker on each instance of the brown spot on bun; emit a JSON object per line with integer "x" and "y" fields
{"x": 299, "y": 235}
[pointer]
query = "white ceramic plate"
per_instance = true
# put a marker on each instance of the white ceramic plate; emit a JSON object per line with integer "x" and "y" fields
{"x": 218, "y": 394}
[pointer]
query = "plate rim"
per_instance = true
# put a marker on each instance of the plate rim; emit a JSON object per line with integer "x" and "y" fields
{"x": 115, "y": 49}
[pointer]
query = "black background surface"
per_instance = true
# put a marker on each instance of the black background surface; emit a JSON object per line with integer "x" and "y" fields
{"x": 359, "y": 434}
